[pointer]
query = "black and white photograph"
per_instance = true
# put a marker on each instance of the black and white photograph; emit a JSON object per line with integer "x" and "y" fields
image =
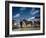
{"x": 24, "y": 18}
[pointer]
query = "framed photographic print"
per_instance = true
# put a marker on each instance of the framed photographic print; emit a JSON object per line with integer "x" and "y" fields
{"x": 24, "y": 18}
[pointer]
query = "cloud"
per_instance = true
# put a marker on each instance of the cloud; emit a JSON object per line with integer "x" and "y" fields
{"x": 33, "y": 9}
{"x": 30, "y": 18}
{"x": 35, "y": 12}
{"x": 21, "y": 12}
{"x": 17, "y": 15}
{"x": 23, "y": 8}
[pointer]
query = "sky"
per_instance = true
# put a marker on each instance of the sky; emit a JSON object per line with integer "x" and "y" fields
{"x": 20, "y": 13}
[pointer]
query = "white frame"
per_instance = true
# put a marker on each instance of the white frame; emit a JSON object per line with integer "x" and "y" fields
{"x": 25, "y": 32}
